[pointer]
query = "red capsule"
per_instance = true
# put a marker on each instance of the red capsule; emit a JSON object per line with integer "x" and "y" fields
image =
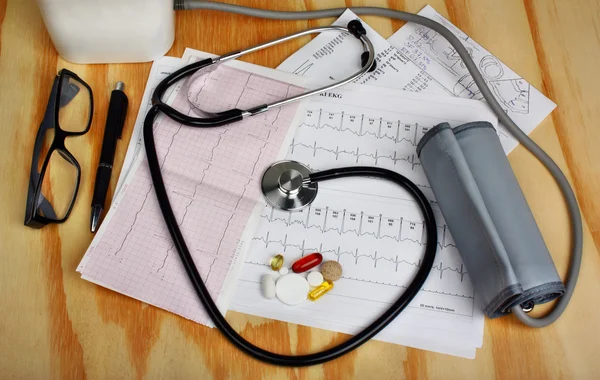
{"x": 307, "y": 262}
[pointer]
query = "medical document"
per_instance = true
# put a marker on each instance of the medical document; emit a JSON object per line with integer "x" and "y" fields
{"x": 336, "y": 55}
{"x": 372, "y": 227}
{"x": 161, "y": 68}
{"x": 212, "y": 178}
{"x": 420, "y": 60}
{"x": 434, "y": 55}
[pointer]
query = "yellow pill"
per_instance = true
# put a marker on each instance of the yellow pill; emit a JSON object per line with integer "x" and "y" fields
{"x": 277, "y": 262}
{"x": 320, "y": 290}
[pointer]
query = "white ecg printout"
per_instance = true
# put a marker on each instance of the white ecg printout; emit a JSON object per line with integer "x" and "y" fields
{"x": 211, "y": 177}
{"x": 417, "y": 59}
{"x": 373, "y": 228}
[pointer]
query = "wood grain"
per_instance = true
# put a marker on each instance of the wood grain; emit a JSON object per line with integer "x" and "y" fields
{"x": 55, "y": 325}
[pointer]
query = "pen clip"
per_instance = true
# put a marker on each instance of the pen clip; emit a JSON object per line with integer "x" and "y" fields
{"x": 122, "y": 123}
{"x": 121, "y": 101}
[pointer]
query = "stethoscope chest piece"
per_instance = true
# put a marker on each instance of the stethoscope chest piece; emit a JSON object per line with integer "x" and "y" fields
{"x": 286, "y": 186}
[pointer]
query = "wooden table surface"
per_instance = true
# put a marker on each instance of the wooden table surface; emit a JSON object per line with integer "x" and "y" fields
{"x": 54, "y": 324}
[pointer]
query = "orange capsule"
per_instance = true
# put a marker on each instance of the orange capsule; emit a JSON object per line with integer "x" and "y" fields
{"x": 307, "y": 262}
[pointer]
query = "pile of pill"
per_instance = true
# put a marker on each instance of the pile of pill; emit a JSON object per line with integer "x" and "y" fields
{"x": 293, "y": 288}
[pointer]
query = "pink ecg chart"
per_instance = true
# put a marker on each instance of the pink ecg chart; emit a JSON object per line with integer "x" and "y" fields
{"x": 212, "y": 176}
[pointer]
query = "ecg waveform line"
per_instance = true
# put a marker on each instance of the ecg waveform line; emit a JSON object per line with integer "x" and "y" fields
{"x": 331, "y": 215}
{"x": 338, "y": 252}
{"x": 372, "y": 282}
{"x": 385, "y": 129}
{"x": 192, "y": 198}
{"x": 411, "y": 158}
{"x": 360, "y": 133}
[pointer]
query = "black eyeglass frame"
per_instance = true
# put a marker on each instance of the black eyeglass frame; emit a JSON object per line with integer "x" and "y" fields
{"x": 36, "y": 201}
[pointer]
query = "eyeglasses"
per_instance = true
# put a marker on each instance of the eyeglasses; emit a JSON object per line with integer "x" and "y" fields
{"x": 55, "y": 173}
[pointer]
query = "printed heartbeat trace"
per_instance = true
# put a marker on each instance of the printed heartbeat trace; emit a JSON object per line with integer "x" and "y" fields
{"x": 371, "y": 247}
{"x": 358, "y": 224}
{"x": 356, "y": 254}
{"x": 376, "y": 239}
{"x": 212, "y": 180}
{"x": 331, "y": 137}
{"x": 342, "y": 129}
{"x": 357, "y": 154}
{"x": 359, "y": 125}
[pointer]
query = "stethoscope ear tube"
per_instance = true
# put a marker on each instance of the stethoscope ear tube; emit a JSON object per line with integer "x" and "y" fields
{"x": 215, "y": 120}
{"x": 176, "y": 77}
{"x": 211, "y": 308}
{"x": 367, "y": 61}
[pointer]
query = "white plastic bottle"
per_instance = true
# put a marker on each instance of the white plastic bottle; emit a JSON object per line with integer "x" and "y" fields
{"x": 110, "y": 31}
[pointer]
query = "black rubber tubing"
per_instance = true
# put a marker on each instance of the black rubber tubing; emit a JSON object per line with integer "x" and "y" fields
{"x": 211, "y": 308}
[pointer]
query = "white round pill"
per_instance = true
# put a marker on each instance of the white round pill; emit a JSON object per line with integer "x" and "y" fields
{"x": 291, "y": 289}
{"x": 283, "y": 271}
{"x": 314, "y": 278}
{"x": 267, "y": 285}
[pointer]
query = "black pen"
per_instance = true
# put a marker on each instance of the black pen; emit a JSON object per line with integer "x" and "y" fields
{"x": 117, "y": 109}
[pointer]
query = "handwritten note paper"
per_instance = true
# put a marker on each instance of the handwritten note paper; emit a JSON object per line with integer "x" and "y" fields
{"x": 431, "y": 53}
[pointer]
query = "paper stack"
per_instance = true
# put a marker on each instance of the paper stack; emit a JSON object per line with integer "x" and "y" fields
{"x": 375, "y": 232}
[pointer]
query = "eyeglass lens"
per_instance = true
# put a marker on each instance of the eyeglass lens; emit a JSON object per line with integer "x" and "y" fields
{"x": 59, "y": 183}
{"x": 75, "y": 106}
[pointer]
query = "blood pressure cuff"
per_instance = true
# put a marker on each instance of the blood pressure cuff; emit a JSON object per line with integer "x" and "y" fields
{"x": 485, "y": 210}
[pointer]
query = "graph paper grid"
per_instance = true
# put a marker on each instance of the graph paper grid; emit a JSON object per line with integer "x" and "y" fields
{"x": 212, "y": 178}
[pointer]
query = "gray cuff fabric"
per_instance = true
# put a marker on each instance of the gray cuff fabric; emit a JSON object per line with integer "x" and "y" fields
{"x": 488, "y": 217}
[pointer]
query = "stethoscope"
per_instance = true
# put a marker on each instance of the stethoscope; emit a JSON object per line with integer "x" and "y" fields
{"x": 289, "y": 185}
{"x": 286, "y": 185}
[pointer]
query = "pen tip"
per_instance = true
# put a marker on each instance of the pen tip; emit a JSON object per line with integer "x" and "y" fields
{"x": 95, "y": 218}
